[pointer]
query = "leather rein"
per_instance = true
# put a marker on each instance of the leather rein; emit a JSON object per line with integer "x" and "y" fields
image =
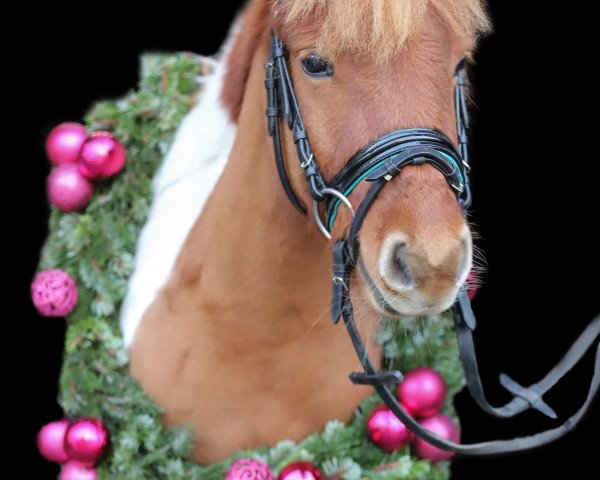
{"x": 378, "y": 163}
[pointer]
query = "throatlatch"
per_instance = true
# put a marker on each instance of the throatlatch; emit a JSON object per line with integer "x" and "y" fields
{"x": 378, "y": 163}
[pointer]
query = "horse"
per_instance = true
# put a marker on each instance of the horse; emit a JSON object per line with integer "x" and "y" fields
{"x": 226, "y": 317}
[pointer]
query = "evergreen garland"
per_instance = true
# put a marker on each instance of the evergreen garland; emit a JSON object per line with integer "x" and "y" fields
{"x": 97, "y": 249}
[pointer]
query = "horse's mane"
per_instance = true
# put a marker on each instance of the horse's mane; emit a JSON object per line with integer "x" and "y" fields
{"x": 378, "y": 27}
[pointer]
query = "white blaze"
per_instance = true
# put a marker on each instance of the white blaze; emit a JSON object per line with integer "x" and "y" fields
{"x": 182, "y": 185}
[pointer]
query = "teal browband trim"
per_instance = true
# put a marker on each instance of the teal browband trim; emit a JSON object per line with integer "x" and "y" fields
{"x": 336, "y": 205}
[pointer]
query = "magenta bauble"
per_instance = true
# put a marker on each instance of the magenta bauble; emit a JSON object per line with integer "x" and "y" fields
{"x": 50, "y": 441}
{"x": 102, "y": 156}
{"x": 64, "y": 143}
{"x": 69, "y": 190}
{"x": 423, "y": 391}
{"x": 249, "y": 469}
{"x": 74, "y": 470}
{"x": 300, "y": 471}
{"x": 445, "y": 428}
{"x": 386, "y": 430}
{"x": 54, "y": 293}
{"x": 472, "y": 282}
{"x": 86, "y": 440}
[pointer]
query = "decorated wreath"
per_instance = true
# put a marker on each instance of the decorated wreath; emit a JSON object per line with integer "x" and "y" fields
{"x": 101, "y": 192}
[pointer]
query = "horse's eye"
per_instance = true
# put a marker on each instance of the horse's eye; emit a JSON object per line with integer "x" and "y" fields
{"x": 316, "y": 66}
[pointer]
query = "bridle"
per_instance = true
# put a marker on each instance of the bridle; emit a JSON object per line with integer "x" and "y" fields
{"x": 383, "y": 158}
{"x": 378, "y": 163}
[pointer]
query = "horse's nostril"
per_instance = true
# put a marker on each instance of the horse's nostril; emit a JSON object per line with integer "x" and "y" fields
{"x": 430, "y": 267}
{"x": 394, "y": 265}
{"x": 400, "y": 268}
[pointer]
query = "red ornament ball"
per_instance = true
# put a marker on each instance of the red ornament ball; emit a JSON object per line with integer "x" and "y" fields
{"x": 423, "y": 391}
{"x": 102, "y": 156}
{"x": 249, "y": 469}
{"x": 54, "y": 293}
{"x": 387, "y": 431}
{"x": 86, "y": 440}
{"x": 50, "y": 441}
{"x": 64, "y": 143}
{"x": 472, "y": 282}
{"x": 74, "y": 470}
{"x": 442, "y": 426}
{"x": 300, "y": 471}
{"x": 69, "y": 190}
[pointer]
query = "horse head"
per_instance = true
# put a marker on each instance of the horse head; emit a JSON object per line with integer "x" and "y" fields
{"x": 361, "y": 70}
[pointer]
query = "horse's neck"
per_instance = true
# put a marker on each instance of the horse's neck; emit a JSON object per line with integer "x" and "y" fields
{"x": 244, "y": 314}
{"x": 256, "y": 254}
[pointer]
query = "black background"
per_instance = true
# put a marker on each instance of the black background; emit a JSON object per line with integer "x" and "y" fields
{"x": 536, "y": 199}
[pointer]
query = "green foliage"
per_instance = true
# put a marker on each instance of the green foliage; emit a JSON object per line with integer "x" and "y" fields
{"x": 97, "y": 248}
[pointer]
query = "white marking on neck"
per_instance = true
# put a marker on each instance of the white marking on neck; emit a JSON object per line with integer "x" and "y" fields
{"x": 182, "y": 185}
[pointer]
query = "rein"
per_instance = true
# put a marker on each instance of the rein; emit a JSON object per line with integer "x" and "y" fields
{"x": 378, "y": 163}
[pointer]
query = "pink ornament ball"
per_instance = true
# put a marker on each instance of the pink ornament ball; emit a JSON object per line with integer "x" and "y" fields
{"x": 50, "y": 441}
{"x": 73, "y": 470}
{"x": 102, "y": 156}
{"x": 300, "y": 471}
{"x": 68, "y": 190}
{"x": 249, "y": 469}
{"x": 472, "y": 282}
{"x": 387, "y": 431}
{"x": 64, "y": 143}
{"x": 86, "y": 440}
{"x": 423, "y": 391}
{"x": 442, "y": 426}
{"x": 54, "y": 293}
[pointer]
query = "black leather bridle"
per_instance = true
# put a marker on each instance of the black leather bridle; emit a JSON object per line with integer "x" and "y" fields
{"x": 378, "y": 163}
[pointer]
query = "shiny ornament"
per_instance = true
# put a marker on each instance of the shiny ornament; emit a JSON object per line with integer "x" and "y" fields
{"x": 74, "y": 470}
{"x": 69, "y": 190}
{"x": 64, "y": 143}
{"x": 445, "y": 428}
{"x": 300, "y": 471}
{"x": 102, "y": 156}
{"x": 423, "y": 391}
{"x": 387, "y": 431}
{"x": 472, "y": 282}
{"x": 249, "y": 469}
{"x": 86, "y": 440}
{"x": 54, "y": 293}
{"x": 50, "y": 441}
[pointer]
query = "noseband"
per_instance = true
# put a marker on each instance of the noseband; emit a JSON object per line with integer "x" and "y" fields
{"x": 378, "y": 163}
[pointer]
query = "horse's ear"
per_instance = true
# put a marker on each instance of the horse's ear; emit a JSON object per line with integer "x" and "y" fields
{"x": 255, "y": 22}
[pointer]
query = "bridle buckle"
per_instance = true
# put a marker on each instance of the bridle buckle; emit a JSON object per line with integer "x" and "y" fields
{"x": 306, "y": 163}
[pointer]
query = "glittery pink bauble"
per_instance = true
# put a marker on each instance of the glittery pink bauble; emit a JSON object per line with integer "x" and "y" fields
{"x": 86, "y": 440}
{"x": 472, "y": 285}
{"x": 386, "y": 430}
{"x": 423, "y": 391}
{"x": 249, "y": 469}
{"x": 74, "y": 470}
{"x": 50, "y": 441}
{"x": 68, "y": 189}
{"x": 54, "y": 293}
{"x": 64, "y": 143}
{"x": 300, "y": 471}
{"x": 445, "y": 428}
{"x": 102, "y": 156}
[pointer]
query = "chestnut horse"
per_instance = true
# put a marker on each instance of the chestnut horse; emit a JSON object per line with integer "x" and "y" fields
{"x": 226, "y": 317}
